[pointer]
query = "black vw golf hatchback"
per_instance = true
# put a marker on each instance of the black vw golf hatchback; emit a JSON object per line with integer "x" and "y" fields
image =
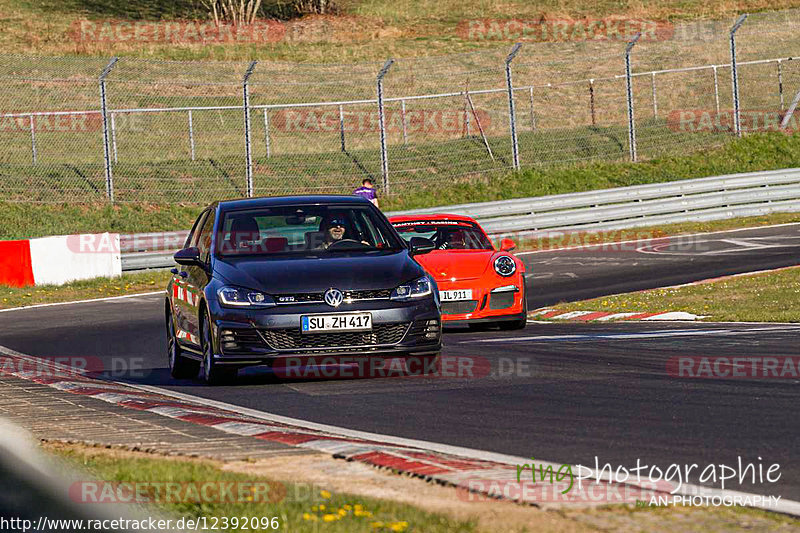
{"x": 263, "y": 279}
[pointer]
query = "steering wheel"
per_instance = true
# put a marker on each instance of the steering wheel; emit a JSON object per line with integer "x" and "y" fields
{"x": 349, "y": 242}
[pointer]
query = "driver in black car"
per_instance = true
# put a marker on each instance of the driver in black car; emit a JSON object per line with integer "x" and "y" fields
{"x": 334, "y": 229}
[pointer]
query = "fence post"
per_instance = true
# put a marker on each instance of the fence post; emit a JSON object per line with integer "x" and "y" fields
{"x": 341, "y": 128}
{"x": 33, "y": 140}
{"x": 382, "y": 123}
{"x": 247, "y": 143}
{"x": 191, "y": 134}
{"x": 403, "y": 116}
{"x": 266, "y": 133}
{"x": 655, "y": 99}
{"x": 780, "y": 82}
{"x": 114, "y": 136}
{"x": 591, "y": 102}
{"x": 104, "y": 110}
{"x": 629, "y": 86}
{"x": 716, "y": 88}
{"x": 512, "y": 117}
{"x": 735, "y": 75}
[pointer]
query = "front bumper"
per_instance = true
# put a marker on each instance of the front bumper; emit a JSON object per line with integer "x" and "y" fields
{"x": 255, "y": 337}
{"x": 494, "y": 301}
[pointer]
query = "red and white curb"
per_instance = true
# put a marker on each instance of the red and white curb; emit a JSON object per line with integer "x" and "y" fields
{"x": 606, "y": 316}
{"x": 477, "y": 475}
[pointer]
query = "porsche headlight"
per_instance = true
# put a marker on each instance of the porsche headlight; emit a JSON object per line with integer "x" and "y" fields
{"x": 505, "y": 265}
{"x": 236, "y": 297}
{"x": 416, "y": 289}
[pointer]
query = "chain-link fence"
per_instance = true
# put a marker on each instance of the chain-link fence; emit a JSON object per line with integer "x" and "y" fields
{"x": 127, "y": 130}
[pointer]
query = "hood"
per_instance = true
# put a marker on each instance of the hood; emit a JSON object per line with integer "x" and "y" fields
{"x": 296, "y": 274}
{"x": 460, "y": 264}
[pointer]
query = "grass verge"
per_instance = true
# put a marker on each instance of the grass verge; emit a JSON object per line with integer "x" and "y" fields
{"x": 132, "y": 283}
{"x": 410, "y": 504}
{"x": 295, "y": 506}
{"x": 767, "y": 297}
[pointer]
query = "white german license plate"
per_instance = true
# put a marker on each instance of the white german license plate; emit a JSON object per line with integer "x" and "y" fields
{"x": 328, "y": 323}
{"x": 456, "y": 295}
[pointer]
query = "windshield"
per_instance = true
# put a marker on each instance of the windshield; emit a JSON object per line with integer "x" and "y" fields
{"x": 446, "y": 234}
{"x": 304, "y": 229}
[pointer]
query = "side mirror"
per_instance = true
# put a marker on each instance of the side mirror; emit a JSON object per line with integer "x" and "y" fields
{"x": 420, "y": 245}
{"x": 506, "y": 245}
{"x": 188, "y": 257}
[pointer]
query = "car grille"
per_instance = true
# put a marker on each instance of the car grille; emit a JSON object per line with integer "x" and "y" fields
{"x": 318, "y": 297}
{"x": 501, "y": 300}
{"x": 459, "y": 308}
{"x": 293, "y": 339}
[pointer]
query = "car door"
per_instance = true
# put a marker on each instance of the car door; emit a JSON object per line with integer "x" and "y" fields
{"x": 180, "y": 308}
{"x": 197, "y": 277}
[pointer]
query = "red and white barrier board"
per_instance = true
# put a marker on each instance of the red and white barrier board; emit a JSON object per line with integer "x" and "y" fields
{"x": 58, "y": 260}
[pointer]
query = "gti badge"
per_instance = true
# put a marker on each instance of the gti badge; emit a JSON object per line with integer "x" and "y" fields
{"x": 334, "y": 297}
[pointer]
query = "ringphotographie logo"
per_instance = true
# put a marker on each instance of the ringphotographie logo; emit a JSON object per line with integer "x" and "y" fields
{"x": 564, "y": 30}
{"x": 175, "y": 32}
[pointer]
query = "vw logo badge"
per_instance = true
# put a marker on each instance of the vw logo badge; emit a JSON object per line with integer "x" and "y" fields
{"x": 334, "y": 297}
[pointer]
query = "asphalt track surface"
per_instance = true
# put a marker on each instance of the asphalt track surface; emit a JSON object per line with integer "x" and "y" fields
{"x": 564, "y": 393}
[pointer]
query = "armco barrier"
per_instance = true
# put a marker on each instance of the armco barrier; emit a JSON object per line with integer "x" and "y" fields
{"x": 697, "y": 200}
{"x": 58, "y": 260}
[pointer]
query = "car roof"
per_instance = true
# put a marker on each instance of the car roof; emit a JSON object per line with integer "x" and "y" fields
{"x": 277, "y": 201}
{"x": 431, "y": 218}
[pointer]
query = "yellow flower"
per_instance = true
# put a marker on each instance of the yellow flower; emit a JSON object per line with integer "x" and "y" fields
{"x": 308, "y": 516}
{"x": 325, "y": 494}
{"x": 358, "y": 507}
{"x": 330, "y": 517}
{"x": 377, "y": 525}
{"x": 348, "y": 507}
{"x": 398, "y": 526}
{"x": 361, "y": 512}
{"x": 321, "y": 507}
{"x": 342, "y": 512}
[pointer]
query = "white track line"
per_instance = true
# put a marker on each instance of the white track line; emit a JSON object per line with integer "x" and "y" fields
{"x": 81, "y": 301}
{"x": 611, "y": 243}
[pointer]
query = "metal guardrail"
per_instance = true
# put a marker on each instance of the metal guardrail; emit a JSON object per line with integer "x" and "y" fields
{"x": 697, "y": 200}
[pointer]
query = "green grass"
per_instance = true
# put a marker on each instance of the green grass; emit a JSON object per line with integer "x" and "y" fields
{"x": 312, "y": 510}
{"x": 768, "y": 297}
{"x": 132, "y": 283}
{"x": 753, "y": 152}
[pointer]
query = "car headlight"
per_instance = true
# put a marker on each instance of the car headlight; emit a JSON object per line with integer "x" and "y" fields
{"x": 416, "y": 289}
{"x": 505, "y": 265}
{"x": 236, "y": 297}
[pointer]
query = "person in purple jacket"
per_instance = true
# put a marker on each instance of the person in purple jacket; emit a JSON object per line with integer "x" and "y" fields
{"x": 367, "y": 190}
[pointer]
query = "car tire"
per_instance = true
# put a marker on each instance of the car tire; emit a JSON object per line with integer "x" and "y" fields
{"x": 519, "y": 323}
{"x": 213, "y": 373}
{"x": 180, "y": 366}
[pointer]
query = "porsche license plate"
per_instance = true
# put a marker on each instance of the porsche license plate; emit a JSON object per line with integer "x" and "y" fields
{"x": 456, "y": 295}
{"x": 333, "y": 323}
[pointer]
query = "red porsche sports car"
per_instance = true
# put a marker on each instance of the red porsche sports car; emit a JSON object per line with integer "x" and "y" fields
{"x": 478, "y": 284}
